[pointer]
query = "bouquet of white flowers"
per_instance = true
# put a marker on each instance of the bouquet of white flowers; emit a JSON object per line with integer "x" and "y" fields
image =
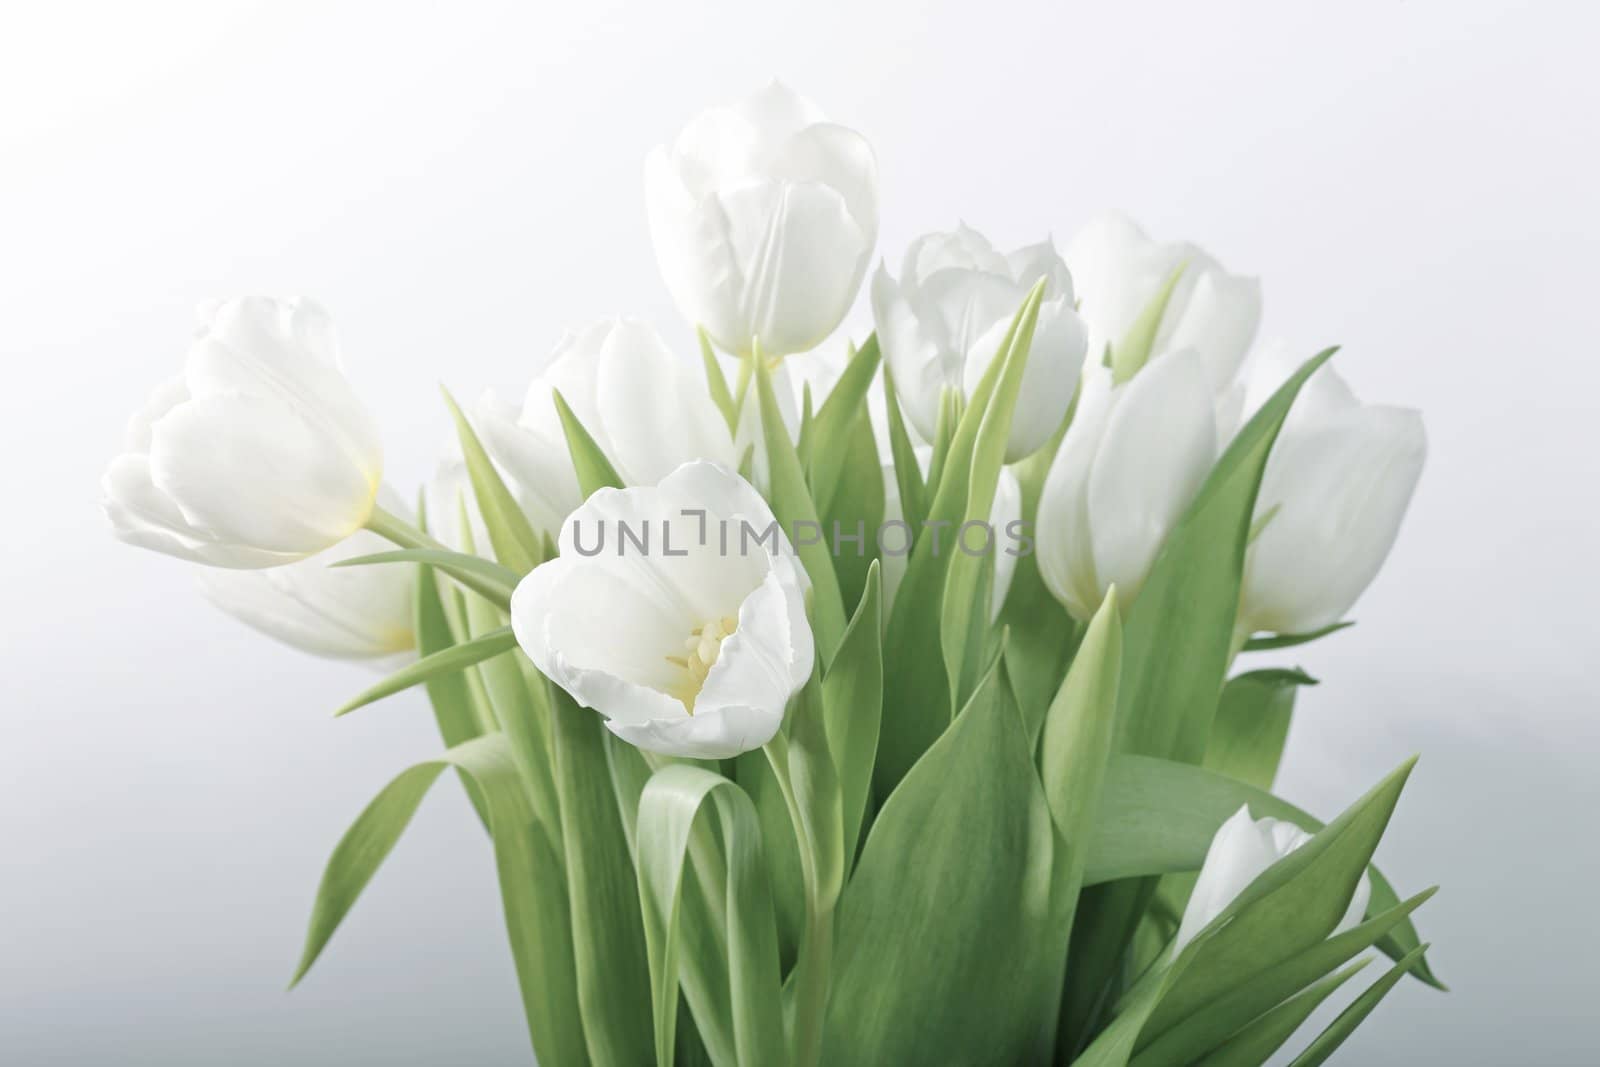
{"x": 916, "y": 738}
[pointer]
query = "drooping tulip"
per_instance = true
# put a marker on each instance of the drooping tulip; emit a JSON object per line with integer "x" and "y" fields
{"x": 677, "y": 611}
{"x": 361, "y": 612}
{"x": 647, "y": 410}
{"x": 763, "y": 215}
{"x": 259, "y": 454}
{"x": 941, "y": 323}
{"x": 1337, "y": 485}
{"x": 1118, "y": 272}
{"x": 1130, "y": 464}
{"x": 1241, "y": 851}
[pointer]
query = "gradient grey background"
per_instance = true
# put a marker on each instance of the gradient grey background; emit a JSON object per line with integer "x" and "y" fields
{"x": 1414, "y": 180}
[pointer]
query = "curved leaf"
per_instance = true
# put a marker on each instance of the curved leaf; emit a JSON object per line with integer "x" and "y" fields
{"x": 445, "y": 661}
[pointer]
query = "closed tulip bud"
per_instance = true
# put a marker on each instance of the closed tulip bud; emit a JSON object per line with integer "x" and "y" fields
{"x": 1129, "y": 466}
{"x": 259, "y": 454}
{"x": 1241, "y": 852}
{"x": 690, "y": 643}
{"x": 763, "y": 216}
{"x": 1119, "y": 271}
{"x": 362, "y": 612}
{"x": 1336, "y": 488}
{"x": 941, "y": 324}
{"x": 647, "y": 410}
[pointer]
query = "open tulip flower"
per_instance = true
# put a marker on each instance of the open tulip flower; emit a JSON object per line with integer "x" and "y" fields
{"x": 690, "y": 644}
{"x": 893, "y": 720}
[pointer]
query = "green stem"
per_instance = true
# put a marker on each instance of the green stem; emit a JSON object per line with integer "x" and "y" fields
{"x": 814, "y": 965}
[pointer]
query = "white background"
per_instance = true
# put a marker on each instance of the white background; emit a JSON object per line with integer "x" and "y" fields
{"x": 458, "y": 183}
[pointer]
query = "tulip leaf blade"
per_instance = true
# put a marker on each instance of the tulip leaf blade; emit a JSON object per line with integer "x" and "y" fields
{"x": 534, "y": 902}
{"x": 594, "y": 470}
{"x": 964, "y": 614}
{"x": 1328, "y": 1042}
{"x": 1133, "y": 352}
{"x": 608, "y": 938}
{"x": 1158, "y": 816}
{"x": 455, "y": 707}
{"x": 854, "y": 515}
{"x": 717, "y": 382}
{"x": 971, "y": 819}
{"x": 476, "y": 573}
{"x": 1255, "y": 1043}
{"x": 445, "y": 661}
{"x": 794, "y": 509}
{"x": 511, "y": 535}
{"x": 669, "y": 806}
{"x": 852, "y": 700}
{"x": 829, "y": 439}
{"x": 907, "y": 471}
{"x": 1207, "y": 1028}
{"x": 1273, "y": 641}
{"x": 918, "y": 705}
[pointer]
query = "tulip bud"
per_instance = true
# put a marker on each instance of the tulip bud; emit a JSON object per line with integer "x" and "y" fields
{"x": 1241, "y": 852}
{"x": 942, "y": 323}
{"x": 1336, "y": 488}
{"x": 363, "y": 612}
{"x": 259, "y": 454}
{"x": 1129, "y": 466}
{"x": 647, "y": 410}
{"x": 1119, "y": 271}
{"x": 690, "y": 641}
{"x": 763, "y": 217}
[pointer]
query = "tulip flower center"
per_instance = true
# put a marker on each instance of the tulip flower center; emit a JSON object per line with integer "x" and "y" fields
{"x": 701, "y": 650}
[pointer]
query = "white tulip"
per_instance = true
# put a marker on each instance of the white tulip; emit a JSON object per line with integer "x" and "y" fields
{"x": 1130, "y": 464}
{"x": 690, "y": 646}
{"x": 941, "y": 325}
{"x": 763, "y": 216}
{"x": 647, "y": 410}
{"x": 1119, "y": 271}
{"x": 259, "y": 454}
{"x": 1336, "y": 488}
{"x": 1241, "y": 851}
{"x": 363, "y": 612}
{"x": 1006, "y": 510}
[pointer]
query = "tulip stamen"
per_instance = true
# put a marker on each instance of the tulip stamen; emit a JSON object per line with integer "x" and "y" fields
{"x": 702, "y": 647}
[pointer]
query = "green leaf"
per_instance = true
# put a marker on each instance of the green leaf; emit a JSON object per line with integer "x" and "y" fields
{"x": 1256, "y": 1043}
{"x": 1252, "y": 724}
{"x": 530, "y": 887}
{"x": 455, "y": 708}
{"x": 445, "y": 661}
{"x": 1159, "y": 816}
{"x": 962, "y": 610}
{"x": 792, "y": 505}
{"x": 1128, "y": 357}
{"x": 907, "y": 472}
{"x": 852, "y": 701}
{"x": 613, "y": 976}
{"x": 1076, "y": 747}
{"x": 510, "y": 533}
{"x": 912, "y": 983}
{"x": 829, "y": 436}
{"x": 1265, "y": 644}
{"x": 717, "y": 383}
{"x": 668, "y": 809}
{"x": 480, "y": 575}
{"x": 1211, "y": 1025}
{"x": 917, "y": 705}
{"x": 854, "y": 515}
{"x": 1328, "y": 1042}
{"x": 594, "y": 469}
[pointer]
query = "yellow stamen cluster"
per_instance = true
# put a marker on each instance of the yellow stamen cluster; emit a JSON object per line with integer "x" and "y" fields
{"x": 700, "y": 654}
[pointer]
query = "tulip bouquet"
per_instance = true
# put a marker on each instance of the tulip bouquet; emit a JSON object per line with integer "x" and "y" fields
{"x": 892, "y": 718}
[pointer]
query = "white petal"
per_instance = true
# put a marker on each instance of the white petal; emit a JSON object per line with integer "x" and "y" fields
{"x": 1055, "y": 362}
{"x": 1065, "y": 545}
{"x": 839, "y": 158}
{"x": 1241, "y": 850}
{"x": 1214, "y": 313}
{"x": 144, "y": 516}
{"x": 713, "y": 735}
{"x": 1032, "y": 262}
{"x": 535, "y": 456}
{"x": 1336, "y": 494}
{"x": 250, "y": 470}
{"x": 921, "y": 366}
{"x": 1159, "y": 444}
{"x": 1007, "y": 510}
